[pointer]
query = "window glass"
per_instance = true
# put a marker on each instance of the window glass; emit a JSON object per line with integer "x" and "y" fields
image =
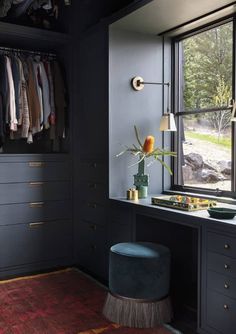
{"x": 206, "y": 67}
{"x": 205, "y": 72}
{"x": 207, "y": 150}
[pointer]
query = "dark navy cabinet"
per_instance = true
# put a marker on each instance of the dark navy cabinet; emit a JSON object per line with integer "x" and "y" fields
{"x": 218, "y": 292}
{"x": 91, "y": 205}
{"x": 36, "y": 228}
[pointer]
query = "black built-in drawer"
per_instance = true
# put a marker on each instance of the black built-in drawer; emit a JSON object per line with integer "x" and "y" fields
{"x": 93, "y": 171}
{"x": 221, "y": 244}
{"x": 34, "y": 192}
{"x": 92, "y": 250}
{"x": 93, "y": 212}
{"x": 221, "y": 283}
{"x": 34, "y": 211}
{"x": 30, "y": 171}
{"x": 221, "y": 264}
{"x": 92, "y": 192}
{"x": 35, "y": 242}
{"x": 221, "y": 312}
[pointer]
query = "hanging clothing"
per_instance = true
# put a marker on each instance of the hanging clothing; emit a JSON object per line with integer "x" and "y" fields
{"x": 38, "y": 85}
{"x": 52, "y": 116}
{"x": 4, "y": 100}
{"x": 4, "y": 7}
{"x": 60, "y": 99}
{"x": 46, "y": 96}
{"x": 33, "y": 99}
{"x": 16, "y": 80}
{"x": 11, "y": 113}
{"x": 24, "y": 105}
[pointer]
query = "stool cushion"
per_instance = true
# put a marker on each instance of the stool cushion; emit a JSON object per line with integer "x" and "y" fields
{"x": 139, "y": 270}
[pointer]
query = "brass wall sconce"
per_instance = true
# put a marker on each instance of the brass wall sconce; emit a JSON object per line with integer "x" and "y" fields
{"x": 167, "y": 120}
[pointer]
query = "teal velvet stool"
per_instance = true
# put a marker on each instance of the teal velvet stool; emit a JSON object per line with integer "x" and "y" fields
{"x": 139, "y": 276}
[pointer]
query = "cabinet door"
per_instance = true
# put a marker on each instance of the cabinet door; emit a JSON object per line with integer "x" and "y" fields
{"x": 91, "y": 123}
{"x": 35, "y": 242}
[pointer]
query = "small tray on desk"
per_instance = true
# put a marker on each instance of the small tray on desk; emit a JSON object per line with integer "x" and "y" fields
{"x": 186, "y": 203}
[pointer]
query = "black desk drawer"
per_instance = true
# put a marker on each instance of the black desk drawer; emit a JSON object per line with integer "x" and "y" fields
{"x": 91, "y": 235}
{"x": 93, "y": 171}
{"x": 35, "y": 242}
{"x": 221, "y": 244}
{"x": 34, "y": 171}
{"x": 221, "y": 312}
{"x": 222, "y": 284}
{"x": 34, "y": 192}
{"x": 92, "y": 252}
{"x": 35, "y": 211}
{"x": 93, "y": 192}
{"x": 93, "y": 212}
{"x": 221, "y": 264}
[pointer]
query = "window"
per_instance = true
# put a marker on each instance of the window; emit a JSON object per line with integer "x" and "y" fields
{"x": 203, "y": 89}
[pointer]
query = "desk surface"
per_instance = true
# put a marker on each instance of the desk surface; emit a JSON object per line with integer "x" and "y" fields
{"x": 192, "y": 218}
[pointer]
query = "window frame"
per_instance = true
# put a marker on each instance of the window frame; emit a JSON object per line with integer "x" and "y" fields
{"x": 176, "y": 142}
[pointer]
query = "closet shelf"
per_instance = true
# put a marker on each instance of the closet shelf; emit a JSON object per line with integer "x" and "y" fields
{"x": 25, "y": 36}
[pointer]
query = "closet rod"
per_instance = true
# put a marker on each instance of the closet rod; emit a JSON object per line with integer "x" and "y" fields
{"x": 49, "y": 54}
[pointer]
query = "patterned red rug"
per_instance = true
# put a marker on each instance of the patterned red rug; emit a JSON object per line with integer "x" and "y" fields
{"x": 64, "y": 302}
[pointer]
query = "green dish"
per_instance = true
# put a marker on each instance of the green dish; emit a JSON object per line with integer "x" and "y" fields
{"x": 222, "y": 213}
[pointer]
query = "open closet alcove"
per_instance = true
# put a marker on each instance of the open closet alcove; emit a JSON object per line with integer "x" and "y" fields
{"x": 36, "y": 227}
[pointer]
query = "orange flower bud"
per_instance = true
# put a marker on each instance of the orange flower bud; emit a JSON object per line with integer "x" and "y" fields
{"x": 148, "y": 145}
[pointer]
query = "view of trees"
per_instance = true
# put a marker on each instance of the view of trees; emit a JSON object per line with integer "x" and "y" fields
{"x": 207, "y": 73}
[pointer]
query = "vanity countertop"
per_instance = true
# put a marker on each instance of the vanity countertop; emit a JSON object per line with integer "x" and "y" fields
{"x": 199, "y": 216}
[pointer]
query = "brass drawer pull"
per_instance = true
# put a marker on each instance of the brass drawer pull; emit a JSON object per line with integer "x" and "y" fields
{"x": 92, "y": 185}
{"x": 37, "y": 164}
{"x": 226, "y": 307}
{"x": 36, "y": 184}
{"x": 226, "y": 266}
{"x": 93, "y": 227}
{"x": 92, "y": 205}
{"x": 227, "y": 246}
{"x": 36, "y": 205}
{"x": 226, "y": 286}
{"x": 38, "y": 224}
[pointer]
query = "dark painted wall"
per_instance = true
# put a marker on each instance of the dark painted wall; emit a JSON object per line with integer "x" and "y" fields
{"x": 133, "y": 54}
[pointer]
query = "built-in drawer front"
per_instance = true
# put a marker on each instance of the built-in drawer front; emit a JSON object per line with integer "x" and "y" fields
{"x": 34, "y": 171}
{"x": 221, "y": 264}
{"x": 93, "y": 212}
{"x": 93, "y": 171}
{"x": 221, "y": 283}
{"x": 221, "y": 312}
{"x": 92, "y": 235}
{"x": 92, "y": 248}
{"x": 34, "y": 192}
{"x": 34, "y": 211}
{"x": 221, "y": 244}
{"x": 93, "y": 192}
{"x": 35, "y": 242}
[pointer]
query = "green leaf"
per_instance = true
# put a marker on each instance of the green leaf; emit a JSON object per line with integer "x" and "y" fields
{"x": 137, "y": 136}
{"x": 165, "y": 165}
